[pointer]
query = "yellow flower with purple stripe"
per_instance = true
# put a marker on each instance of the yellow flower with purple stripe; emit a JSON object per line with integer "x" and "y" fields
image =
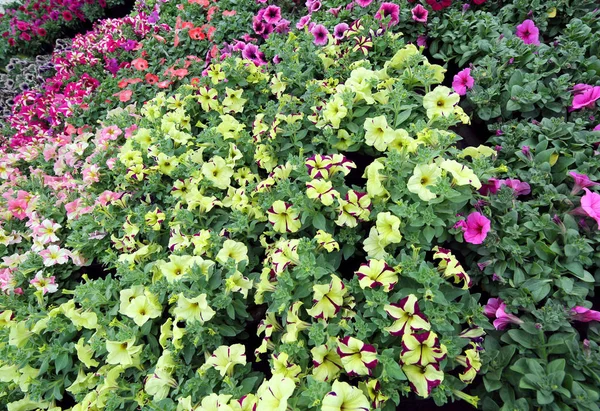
{"x": 407, "y": 315}
{"x": 357, "y": 357}
{"x": 284, "y": 218}
{"x": 376, "y": 273}
{"x": 422, "y": 349}
{"x": 423, "y": 379}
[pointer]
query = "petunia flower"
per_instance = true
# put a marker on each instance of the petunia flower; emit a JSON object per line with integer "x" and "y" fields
{"x": 293, "y": 324}
{"x": 422, "y": 349}
{"x": 142, "y": 308}
{"x": 477, "y": 227}
{"x": 423, "y": 379}
{"x": 450, "y": 267}
{"x": 388, "y": 228}
{"x": 193, "y": 309}
{"x": 407, "y": 315}
{"x": 463, "y": 81}
{"x": 357, "y": 357}
{"x": 581, "y": 181}
{"x": 419, "y": 14}
{"x": 274, "y": 394}
{"x": 583, "y": 314}
{"x": 339, "y": 31}
{"x": 321, "y": 190}
{"x": 320, "y": 34}
{"x": 122, "y": 352}
{"x": 438, "y": 5}
{"x": 326, "y": 362}
{"x": 44, "y": 284}
{"x": 282, "y": 367}
{"x": 424, "y": 175}
{"x": 462, "y": 175}
{"x": 377, "y": 133}
{"x": 54, "y": 255}
{"x": 214, "y": 402}
{"x": 391, "y": 10}
{"x": 528, "y": 32}
{"x": 344, "y": 397}
{"x": 327, "y": 299}
{"x": 283, "y": 217}
{"x": 364, "y": 3}
{"x": 225, "y": 358}
{"x": 440, "y": 102}
{"x": 376, "y": 273}
{"x": 586, "y": 99}
{"x": 590, "y": 204}
{"x": 272, "y": 14}
{"x": 496, "y": 308}
{"x": 472, "y": 363}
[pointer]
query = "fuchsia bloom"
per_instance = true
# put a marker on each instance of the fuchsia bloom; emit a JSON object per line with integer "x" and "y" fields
{"x": 590, "y": 204}
{"x": 364, "y": 3}
{"x": 340, "y": 30}
{"x": 496, "y": 308}
{"x": 389, "y": 9}
{"x": 586, "y": 99}
{"x": 581, "y": 181}
{"x": 419, "y": 14}
{"x": 584, "y": 314}
{"x": 438, "y": 5}
{"x": 18, "y": 208}
{"x": 528, "y": 32}
{"x": 463, "y": 81}
{"x": 320, "y": 33}
{"x": 519, "y": 187}
{"x": 272, "y": 14}
{"x": 477, "y": 227}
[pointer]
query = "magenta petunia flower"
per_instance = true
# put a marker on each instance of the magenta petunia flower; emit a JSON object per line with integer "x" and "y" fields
{"x": 584, "y": 314}
{"x": 586, "y": 98}
{"x": 463, "y": 81}
{"x": 272, "y": 14}
{"x": 519, "y": 187}
{"x": 364, "y": 3}
{"x": 320, "y": 33}
{"x": 477, "y": 228}
{"x": 303, "y": 22}
{"x": 438, "y": 5}
{"x": 597, "y": 128}
{"x": 422, "y": 41}
{"x": 528, "y": 32}
{"x": 581, "y": 181}
{"x": 503, "y": 319}
{"x": 590, "y": 203}
{"x": 250, "y": 52}
{"x": 419, "y": 13}
{"x": 340, "y": 30}
{"x": 389, "y": 9}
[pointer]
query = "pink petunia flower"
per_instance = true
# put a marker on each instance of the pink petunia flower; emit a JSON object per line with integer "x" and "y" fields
{"x": 340, "y": 30}
{"x": 528, "y": 32}
{"x": 519, "y": 187}
{"x": 54, "y": 255}
{"x": 590, "y": 204}
{"x": 44, "y": 284}
{"x": 463, "y": 81}
{"x": 391, "y": 10}
{"x": 581, "y": 181}
{"x": 272, "y": 14}
{"x": 503, "y": 319}
{"x": 584, "y": 314}
{"x": 364, "y": 3}
{"x": 477, "y": 228}
{"x": 303, "y": 22}
{"x": 320, "y": 33}
{"x": 419, "y": 14}
{"x": 586, "y": 99}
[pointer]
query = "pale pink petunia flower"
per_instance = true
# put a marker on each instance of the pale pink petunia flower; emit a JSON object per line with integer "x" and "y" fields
{"x": 528, "y": 32}
{"x": 419, "y": 14}
{"x": 54, "y": 255}
{"x": 463, "y": 81}
{"x": 46, "y": 231}
{"x": 477, "y": 228}
{"x": 581, "y": 181}
{"x": 590, "y": 203}
{"x": 44, "y": 284}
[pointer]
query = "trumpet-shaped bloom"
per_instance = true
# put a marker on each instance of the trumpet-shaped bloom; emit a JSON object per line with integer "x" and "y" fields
{"x": 344, "y": 397}
{"x": 407, "y": 315}
{"x": 44, "y": 284}
{"x": 477, "y": 227}
{"x": 388, "y": 227}
{"x": 320, "y": 34}
{"x": 335, "y": 111}
{"x": 586, "y": 99}
{"x": 326, "y": 362}
{"x": 472, "y": 363}
{"x": 590, "y": 203}
{"x": 293, "y": 324}
{"x": 462, "y": 174}
{"x": 326, "y": 240}
{"x": 218, "y": 172}
{"x": 581, "y": 181}
{"x": 274, "y": 394}
{"x": 583, "y": 314}
{"x": 450, "y": 267}
{"x": 497, "y": 308}
{"x": 376, "y": 273}
{"x": 193, "y": 309}
{"x": 377, "y": 133}
{"x": 422, "y": 349}
{"x": 224, "y": 358}
{"x": 528, "y": 32}
{"x": 391, "y": 10}
{"x": 419, "y": 14}
{"x": 122, "y": 352}
{"x": 321, "y": 190}
{"x": 284, "y": 218}
{"x": 357, "y": 357}
{"x": 424, "y": 175}
{"x": 232, "y": 249}
{"x": 142, "y": 308}
{"x": 440, "y": 102}
{"x": 423, "y": 379}
{"x": 215, "y": 402}
{"x": 327, "y": 299}
{"x": 463, "y": 81}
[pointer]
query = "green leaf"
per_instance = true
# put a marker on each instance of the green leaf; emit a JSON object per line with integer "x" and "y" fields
{"x": 512, "y": 105}
{"x": 402, "y": 117}
{"x": 62, "y": 362}
{"x": 428, "y": 233}
{"x": 319, "y": 222}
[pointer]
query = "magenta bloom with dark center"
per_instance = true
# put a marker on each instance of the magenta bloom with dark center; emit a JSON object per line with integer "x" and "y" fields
{"x": 389, "y": 9}
{"x": 340, "y": 30}
{"x": 303, "y": 22}
{"x": 364, "y": 3}
{"x": 272, "y": 14}
{"x": 419, "y": 13}
{"x": 477, "y": 228}
{"x": 463, "y": 81}
{"x": 250, "y": 52}
{"x": 528, "y": 32}
{"x": 320, "y": 33}
{"x": 586, "y": 99}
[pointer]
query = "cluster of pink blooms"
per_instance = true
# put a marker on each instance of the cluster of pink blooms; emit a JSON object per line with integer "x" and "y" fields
{"x": 475, "y": 228}
{"x": 268, "y": 20}
{"x": 29, "y": 20}
{"x": 493, "y": 185}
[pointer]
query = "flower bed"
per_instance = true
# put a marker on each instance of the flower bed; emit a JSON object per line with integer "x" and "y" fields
{"x": 244, "y": 206}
